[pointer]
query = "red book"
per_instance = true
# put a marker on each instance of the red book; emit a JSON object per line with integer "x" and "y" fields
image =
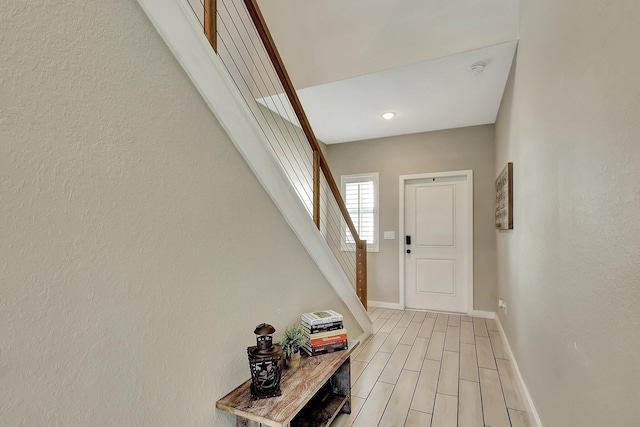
{"x": 326, "y": 349}
{"x": 323, "y": 341}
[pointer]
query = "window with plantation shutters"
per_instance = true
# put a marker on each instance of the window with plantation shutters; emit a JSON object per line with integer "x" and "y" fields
{"x": 360, "y": 194}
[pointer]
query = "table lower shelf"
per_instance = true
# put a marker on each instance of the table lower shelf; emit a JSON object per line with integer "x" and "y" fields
{"x": 322, "y": 409}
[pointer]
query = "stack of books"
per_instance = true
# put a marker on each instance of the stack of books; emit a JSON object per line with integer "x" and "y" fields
{"x": 326, "y": 332}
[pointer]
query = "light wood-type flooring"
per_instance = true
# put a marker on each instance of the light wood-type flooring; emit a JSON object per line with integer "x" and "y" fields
{"x": 422, "y": 369}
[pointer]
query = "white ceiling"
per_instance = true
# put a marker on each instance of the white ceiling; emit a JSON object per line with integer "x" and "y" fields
{"x": 431, "y": 95}
{"x": 353, "y": 60}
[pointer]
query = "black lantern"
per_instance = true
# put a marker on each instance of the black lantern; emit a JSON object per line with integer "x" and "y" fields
{"x": 265, "y": 361}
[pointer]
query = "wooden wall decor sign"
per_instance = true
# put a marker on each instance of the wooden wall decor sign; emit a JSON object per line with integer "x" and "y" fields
{"x": 504, "y": 198}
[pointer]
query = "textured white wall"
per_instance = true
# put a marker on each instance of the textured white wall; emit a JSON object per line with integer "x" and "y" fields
{"x": 137, "y": 249}
{"x": 455, "y": 149}
{"x": 569, "y": 270}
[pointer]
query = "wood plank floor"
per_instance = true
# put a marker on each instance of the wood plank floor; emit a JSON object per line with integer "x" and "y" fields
{"x": 422, "y": 369}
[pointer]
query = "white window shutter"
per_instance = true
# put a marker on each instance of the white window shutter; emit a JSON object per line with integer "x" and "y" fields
{"x": 361, "y": 199}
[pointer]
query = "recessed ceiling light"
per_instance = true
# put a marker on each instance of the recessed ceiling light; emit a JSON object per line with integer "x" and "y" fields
{"x": 389, "y": 115}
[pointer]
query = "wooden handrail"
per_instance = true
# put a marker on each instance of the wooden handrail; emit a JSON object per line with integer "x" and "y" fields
{"x": 278, "y": 64}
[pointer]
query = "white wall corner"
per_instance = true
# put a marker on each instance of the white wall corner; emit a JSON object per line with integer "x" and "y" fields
{"x": 534, "y": 418}
{"x": 184, "y": 36}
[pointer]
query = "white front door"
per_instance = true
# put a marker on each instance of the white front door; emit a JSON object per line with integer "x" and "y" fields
{"x": 438, "y": 218}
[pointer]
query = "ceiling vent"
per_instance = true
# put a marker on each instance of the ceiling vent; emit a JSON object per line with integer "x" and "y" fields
{"x": 477, "y": 68}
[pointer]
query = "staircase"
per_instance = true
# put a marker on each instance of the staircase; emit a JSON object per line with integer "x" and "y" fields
{"x": 268, "y": 128}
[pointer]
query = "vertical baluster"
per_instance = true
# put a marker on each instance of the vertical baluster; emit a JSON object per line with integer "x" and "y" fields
{"x": 316, "y": 188}
{"x": 210, "y": 23}
{"x": 361, "y": 272}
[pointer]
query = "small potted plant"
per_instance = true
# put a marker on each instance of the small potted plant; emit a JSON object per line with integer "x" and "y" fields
{"x": 292, "y": 340}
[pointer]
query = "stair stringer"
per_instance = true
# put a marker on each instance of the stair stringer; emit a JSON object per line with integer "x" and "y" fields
{"x": 183, "y": 35}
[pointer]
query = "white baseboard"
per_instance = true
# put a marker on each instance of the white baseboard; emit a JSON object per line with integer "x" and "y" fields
{"x": 398, "y": 306}
{"x": 361, "y": 339}
{"x": 485, "y": 314}
{"x": 380, "y": 304}
{"x": 534, "y": 418}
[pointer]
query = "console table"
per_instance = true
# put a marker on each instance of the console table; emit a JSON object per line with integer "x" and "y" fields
{"x": 312, "y": 395}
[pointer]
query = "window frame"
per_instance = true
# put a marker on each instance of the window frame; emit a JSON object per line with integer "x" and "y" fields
{"x": 362, "y": 177}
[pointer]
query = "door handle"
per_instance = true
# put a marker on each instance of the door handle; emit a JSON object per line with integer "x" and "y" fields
{"x": 407, "y": 239}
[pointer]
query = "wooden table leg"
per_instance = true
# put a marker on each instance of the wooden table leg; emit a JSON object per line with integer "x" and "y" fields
{"x": 341, "y": 384}
{"x": 243, "y": 422}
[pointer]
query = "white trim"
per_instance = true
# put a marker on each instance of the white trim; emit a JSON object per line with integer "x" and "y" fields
{"x": 381, "y": 304}
{"x": 534, "y": 418}
{"x": 362, "y": 338}
{"x": 468, "y": 173}
{"x": 485, "y": 314}
{"x": 180, "y": 30}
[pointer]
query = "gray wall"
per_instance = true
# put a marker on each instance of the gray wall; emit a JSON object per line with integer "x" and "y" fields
{"x": 456, "y": 149}
{"x": 569, "y": 270}
{"x": 137, "y": 249}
